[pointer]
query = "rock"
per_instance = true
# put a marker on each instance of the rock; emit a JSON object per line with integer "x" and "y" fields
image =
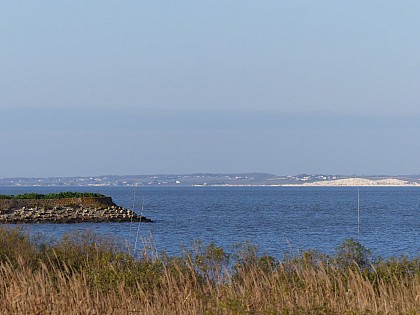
{"x": 69, "y": 214}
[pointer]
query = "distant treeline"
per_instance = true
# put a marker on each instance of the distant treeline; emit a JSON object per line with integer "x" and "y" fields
{"x": 61, "y": 195}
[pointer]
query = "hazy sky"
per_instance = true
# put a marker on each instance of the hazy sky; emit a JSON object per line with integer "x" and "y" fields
{"x": 144, "y": 87}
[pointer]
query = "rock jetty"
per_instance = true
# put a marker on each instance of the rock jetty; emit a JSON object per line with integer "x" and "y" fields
{"x": 66, "y": 211}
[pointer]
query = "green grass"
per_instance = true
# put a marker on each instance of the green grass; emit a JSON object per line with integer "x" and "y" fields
{"x": 61, "y": 195}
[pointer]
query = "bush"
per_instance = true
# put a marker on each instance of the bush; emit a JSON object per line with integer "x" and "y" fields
{"x": 352, "y": 254}
{"x": 13, "y": 244}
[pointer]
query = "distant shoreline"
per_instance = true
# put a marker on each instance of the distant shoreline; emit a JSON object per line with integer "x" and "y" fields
{"x": 218, "y": 180}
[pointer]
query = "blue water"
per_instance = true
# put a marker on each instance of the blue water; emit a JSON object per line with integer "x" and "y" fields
{"x": 276, "y": 219}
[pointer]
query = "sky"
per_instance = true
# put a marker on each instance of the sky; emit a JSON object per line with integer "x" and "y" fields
{"x": 174, "y": 87}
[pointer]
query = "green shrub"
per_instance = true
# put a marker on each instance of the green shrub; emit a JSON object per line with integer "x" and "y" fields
{"x": 61, "y": 195}
{"x": 210, "y": 261}
{"x": 352, "y": 254}
{"x": 13, "y": 244}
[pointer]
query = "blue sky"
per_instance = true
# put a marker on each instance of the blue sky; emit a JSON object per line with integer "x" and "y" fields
{"x": 142, "y": 87}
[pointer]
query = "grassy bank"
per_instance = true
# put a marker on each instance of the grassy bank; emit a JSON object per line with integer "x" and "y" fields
{"x": 84, "y": 274}
{"x": 61, "y": 195}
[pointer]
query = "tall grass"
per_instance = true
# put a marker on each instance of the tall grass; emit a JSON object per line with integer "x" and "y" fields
{"x": 85, "y": 274}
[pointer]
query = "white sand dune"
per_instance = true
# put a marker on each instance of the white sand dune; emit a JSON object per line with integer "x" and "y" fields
{"x": 362, "y": 182}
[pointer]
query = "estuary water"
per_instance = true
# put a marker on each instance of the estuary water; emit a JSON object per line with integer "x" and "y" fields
{"x": 275, "y": 219}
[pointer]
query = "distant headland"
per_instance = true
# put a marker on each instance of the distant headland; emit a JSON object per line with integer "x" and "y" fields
{"x": 214, "y": 179}
{"x": 65, "y": 207}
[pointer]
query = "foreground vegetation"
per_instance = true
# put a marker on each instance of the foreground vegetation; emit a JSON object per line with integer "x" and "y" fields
{"x": 85, "y": 274}
{"x": 61, "y": 195}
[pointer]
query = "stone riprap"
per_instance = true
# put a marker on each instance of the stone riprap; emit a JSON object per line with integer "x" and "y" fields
{"x": 45, "y": 212}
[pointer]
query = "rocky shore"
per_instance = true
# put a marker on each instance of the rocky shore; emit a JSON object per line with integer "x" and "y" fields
{"x": 45, "y": 212}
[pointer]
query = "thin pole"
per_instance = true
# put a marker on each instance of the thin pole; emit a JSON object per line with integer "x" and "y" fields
{"x": 132, "y": 209}
{"x": 138, "y": 228}
{"x": 358, "y": 214}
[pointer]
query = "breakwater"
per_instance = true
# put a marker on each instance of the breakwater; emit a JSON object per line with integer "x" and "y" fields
{"x": 65, "y": 210}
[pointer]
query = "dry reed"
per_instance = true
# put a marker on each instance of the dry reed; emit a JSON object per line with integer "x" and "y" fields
{"x": 85, "y": 276}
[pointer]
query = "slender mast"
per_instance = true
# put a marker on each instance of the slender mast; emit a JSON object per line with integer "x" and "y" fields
{"x": 358, "y": 214}
{"x": 134, "y": 201}
{"x": 138, "y": 228}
